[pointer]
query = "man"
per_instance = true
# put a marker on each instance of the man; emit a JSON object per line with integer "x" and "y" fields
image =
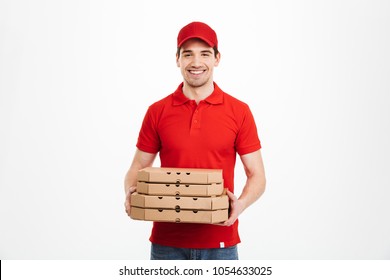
{"x": 199, "y": 126}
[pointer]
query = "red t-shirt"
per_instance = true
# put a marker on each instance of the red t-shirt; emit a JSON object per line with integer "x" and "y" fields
{"x": 207, "y": 135}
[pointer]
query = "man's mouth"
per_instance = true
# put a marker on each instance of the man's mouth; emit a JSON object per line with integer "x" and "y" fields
{"x": 196, "y": 72}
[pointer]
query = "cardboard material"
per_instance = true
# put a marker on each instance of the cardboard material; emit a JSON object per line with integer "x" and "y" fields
{"x": 213, "y": 189}
{"x": 181, "y": 195}
{"x": 180, "y": 175}
{"x": 179, "y": 216}
{"x": 178, "y": 203}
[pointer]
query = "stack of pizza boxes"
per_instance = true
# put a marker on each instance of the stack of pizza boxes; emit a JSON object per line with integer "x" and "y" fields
{"x": 180, "y": 195}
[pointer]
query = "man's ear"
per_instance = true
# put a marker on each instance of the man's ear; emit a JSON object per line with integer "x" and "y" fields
{"x": 217, "y": 59}
{"x": 177, "y": 60}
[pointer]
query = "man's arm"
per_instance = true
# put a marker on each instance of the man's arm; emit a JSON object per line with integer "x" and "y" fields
{"x": 253, "y": 189}
{"x": 141, "y": 160}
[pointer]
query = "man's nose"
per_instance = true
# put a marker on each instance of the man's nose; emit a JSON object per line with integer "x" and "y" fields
{"x": 196, "y": 61}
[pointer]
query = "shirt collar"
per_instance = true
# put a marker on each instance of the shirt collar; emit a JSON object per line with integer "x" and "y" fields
{"x": 216, "y": 97}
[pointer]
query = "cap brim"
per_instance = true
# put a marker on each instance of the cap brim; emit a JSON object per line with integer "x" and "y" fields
{"x": 197, "y": 37}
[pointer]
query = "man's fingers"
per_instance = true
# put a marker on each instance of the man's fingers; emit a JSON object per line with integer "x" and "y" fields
{"x": 231, "y": 195}
{"x": 131, "y": 190}
{"x": 127, "y": 201}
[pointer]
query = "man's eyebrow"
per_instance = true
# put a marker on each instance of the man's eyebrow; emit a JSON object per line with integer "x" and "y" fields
{"x": 207, "y": 51}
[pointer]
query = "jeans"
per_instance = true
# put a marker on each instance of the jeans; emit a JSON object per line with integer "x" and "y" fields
{"x": 159, "y": 252}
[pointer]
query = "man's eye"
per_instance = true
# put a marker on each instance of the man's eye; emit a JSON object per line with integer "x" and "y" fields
{"x": 206, "y": 54}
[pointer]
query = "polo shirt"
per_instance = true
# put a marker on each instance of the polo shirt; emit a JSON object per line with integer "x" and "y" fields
{"x": 204, "y": 135}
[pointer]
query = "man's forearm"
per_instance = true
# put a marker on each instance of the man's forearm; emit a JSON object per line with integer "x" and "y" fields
{"x": 131, "y": 178}
{"x": 141, "y": 160}
{"x": 252, "y": 191}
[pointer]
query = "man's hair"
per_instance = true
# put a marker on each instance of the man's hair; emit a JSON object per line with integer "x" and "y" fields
{"x": 214, "y": 48}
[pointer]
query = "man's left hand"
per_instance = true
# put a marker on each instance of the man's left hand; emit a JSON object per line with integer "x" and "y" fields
{"x": 236, "y": 208}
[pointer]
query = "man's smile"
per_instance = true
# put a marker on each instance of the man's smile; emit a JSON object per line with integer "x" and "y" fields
{"x": 196, "y": 72}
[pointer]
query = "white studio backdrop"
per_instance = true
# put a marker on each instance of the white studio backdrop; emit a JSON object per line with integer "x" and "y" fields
{"x": 76, "y": 78}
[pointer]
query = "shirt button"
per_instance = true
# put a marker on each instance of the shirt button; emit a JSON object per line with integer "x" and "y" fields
{"x": 195, "y": 121}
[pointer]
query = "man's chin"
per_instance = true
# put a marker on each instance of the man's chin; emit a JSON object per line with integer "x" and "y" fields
{"x": 196, "y": 84}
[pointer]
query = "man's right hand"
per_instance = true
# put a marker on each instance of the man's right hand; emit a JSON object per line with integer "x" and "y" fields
{"x": 127, "y": 200}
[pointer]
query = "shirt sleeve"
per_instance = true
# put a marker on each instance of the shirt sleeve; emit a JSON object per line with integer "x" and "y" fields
{"x": 148, "y": 139}
{"x": 247, "y": 140}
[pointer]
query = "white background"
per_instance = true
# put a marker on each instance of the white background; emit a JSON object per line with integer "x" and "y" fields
{"x": 77, "y": 76}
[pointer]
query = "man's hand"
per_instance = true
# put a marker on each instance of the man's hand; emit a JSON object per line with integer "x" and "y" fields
{"x": 236, "y": 208}
{"x": 127, "y": 200}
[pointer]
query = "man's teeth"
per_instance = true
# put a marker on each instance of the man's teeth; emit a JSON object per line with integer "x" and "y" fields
{"x": 196, "y": 72}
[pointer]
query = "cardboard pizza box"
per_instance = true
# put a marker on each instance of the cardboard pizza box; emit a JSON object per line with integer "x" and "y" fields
{"x": 213, "y": 189}
{"x": 179, "y": 216}
{"x": 180, "y": 175}
{"x": 178, "y": 202}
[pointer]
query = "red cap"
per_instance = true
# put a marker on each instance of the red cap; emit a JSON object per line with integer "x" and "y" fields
{"x": 198, "y": 30}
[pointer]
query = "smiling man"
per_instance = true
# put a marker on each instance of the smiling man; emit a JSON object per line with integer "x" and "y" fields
{"x": 197, "y": 60}
{"x": 199, "y": 126}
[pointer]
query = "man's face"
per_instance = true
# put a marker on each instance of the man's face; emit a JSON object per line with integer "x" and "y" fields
{"x": 196, "y": 62}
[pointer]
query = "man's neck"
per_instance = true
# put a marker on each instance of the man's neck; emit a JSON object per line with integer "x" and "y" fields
{"x": 198, "y": 93}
